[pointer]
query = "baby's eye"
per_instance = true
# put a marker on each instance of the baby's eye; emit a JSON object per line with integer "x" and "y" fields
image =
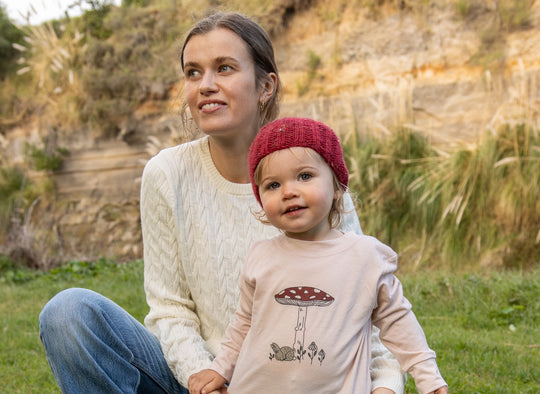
{"x": 305, "y": 176}
{"x": 272, "y": 185}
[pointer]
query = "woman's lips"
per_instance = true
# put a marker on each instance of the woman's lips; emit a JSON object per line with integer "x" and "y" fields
{"x": 210, "y": 106}
{"x": 207, "y": 106}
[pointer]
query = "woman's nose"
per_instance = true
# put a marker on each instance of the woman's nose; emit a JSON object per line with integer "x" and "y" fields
{"x": 208, "y": 84}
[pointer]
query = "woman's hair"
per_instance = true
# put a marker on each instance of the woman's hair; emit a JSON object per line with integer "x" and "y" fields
{"x": 337, "y": 210}
{"x": 260, "y": 49}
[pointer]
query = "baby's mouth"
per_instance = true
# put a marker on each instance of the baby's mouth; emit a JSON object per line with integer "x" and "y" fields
{"x": 293, "y": 209}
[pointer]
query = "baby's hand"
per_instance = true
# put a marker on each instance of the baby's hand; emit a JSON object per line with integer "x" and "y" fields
{"x": 382, "y": 390}
{"x": 441, "y": 390}
{"x": 205, "y": 382}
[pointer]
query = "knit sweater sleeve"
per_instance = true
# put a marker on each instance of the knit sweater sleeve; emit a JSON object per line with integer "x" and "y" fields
{"x": 384, "y": 368}
{"x": 172, "y": 317}
{"x": 350, "y": 220}
{"x": 236, "y": 332}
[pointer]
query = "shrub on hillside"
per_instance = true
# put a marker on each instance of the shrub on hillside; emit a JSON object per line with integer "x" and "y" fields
{"x": 9, "y": 34}
{"x": 93, "y": 20}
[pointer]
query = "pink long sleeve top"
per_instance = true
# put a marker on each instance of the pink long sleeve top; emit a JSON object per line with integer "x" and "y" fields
{"x": 304, "y": 319}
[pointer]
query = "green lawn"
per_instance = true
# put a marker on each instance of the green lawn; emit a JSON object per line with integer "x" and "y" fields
{"x": 23, "y": 365}
{"x": 484, "y": 328}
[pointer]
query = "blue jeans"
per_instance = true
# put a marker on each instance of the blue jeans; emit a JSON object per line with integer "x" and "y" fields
{"x": 95, "y": 346}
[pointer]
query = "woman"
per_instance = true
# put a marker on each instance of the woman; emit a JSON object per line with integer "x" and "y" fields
{"x": 196, "y": 233}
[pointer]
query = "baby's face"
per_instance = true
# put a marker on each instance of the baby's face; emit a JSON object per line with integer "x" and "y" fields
{"x": 297, "y": 192}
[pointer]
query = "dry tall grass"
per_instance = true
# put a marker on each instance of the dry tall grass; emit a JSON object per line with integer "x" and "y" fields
{"x": 49, "y": 63}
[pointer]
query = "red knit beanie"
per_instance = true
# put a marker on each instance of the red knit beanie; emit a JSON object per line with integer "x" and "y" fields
{"x": 297, "y": 132}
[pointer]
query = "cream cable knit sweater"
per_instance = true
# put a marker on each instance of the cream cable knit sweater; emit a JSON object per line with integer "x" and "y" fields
{"x": 197, "y": 229}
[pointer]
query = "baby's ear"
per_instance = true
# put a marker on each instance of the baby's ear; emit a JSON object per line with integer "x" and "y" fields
{"x": 338, "y": 193}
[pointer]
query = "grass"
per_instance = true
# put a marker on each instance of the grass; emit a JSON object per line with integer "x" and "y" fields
{"x": 484, "y": 328}
{"x": 23, "y": 365}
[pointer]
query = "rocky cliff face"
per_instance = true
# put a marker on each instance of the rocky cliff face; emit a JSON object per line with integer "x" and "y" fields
{"x": 361, "y": 74}
{"x": 431, "y": 71}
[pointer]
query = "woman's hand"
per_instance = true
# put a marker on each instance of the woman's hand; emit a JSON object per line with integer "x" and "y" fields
{"x": 207, "y": 381}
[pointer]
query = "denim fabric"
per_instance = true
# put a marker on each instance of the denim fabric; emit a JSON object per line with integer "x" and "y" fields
{"x": 95, "y": 346}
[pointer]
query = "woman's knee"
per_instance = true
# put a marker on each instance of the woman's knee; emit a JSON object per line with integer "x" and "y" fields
{"x": 67, "y": 308}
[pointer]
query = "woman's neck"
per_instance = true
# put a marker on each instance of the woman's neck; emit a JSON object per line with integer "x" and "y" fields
{"x": 230, "y": 158}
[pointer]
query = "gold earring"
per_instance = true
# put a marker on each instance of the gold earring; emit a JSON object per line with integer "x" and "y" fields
{"x": 262, "y": 103}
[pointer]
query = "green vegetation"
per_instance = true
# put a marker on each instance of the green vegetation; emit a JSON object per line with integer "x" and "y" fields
{"x": 313, "y": 63}
{"x": 508, "y": 16}
{"x": 485, "y": 329}
{"x": 12, "y": 183}
{"x": 515, "y": 14}
{"x": 461, "y": 209}
{"x": 9, "y": 34}
{"x": 463, "y": 7}
{"x": 47, "y": 159}
{"x": 23, "y": 186}
{"x": 490, "y": 54}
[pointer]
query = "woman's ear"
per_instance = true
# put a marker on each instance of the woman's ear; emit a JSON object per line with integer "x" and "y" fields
{"x": 268, "y": 88}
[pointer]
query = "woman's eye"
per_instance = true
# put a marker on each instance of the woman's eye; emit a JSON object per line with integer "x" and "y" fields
{"x": 191, "y": 73}
{"x": 225, "y": 68}
{"x": 305, "y": 176}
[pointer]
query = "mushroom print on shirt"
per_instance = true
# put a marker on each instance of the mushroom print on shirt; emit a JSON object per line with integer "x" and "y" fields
{"x": 302, "y": 297}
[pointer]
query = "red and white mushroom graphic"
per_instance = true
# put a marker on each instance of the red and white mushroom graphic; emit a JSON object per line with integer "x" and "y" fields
{"x": 302, "y": 297}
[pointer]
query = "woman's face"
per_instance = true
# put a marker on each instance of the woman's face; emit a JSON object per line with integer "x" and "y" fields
{"x": 220, "y": 86}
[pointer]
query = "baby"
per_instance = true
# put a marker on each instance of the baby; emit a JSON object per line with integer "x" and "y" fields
{"x": 309, "y": 297}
